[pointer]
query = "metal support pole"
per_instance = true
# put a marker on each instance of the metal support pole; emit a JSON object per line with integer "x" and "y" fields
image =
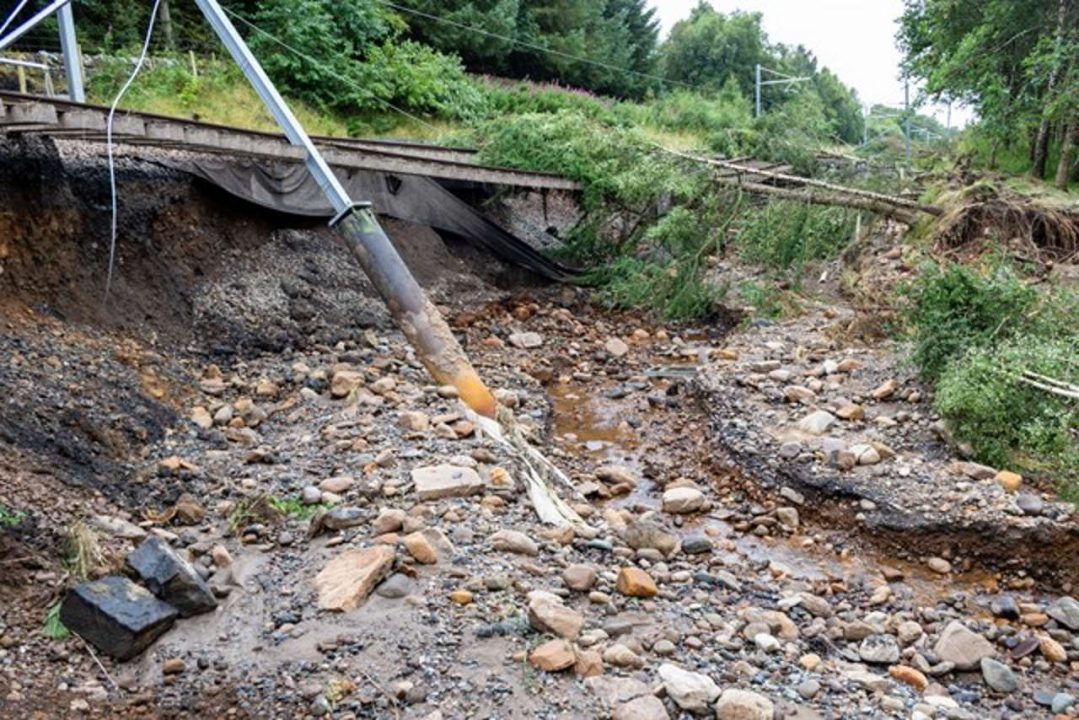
{"x": 906, "y": 111}
{"x": 757, "y": 88}
{"x": 9, "y": 39}
{"x": 72, "y": 59}
{"x": 414, "y": 313}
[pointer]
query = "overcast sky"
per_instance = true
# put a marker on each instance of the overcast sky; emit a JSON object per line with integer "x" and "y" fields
{"x": 854, "y": 38}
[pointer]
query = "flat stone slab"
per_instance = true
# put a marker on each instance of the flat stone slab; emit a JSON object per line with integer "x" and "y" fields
{"x": 349, "y": 578}
{"x": 171, "y": 578}
{"x": 435, "y": 482}
{"x": 118, "y": 617}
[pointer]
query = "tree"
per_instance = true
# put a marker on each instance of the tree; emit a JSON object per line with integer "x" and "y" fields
{"x": 708, "y": 47}
{"x": 1013, "y": 60}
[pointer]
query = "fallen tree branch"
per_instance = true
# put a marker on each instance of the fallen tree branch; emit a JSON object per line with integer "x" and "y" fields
{"x": 903, "y": 215}
{"x": 884, "y": 200}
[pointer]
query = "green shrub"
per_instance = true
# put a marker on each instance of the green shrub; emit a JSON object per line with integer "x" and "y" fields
{"x": 9, "y": 517}
{"x": 1008, "y": 422}
{"x": 784, "y": 234}
{"x": 956, "y": 308}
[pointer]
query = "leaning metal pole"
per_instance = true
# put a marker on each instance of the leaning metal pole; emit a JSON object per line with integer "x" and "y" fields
{"x": 417, "y": 317}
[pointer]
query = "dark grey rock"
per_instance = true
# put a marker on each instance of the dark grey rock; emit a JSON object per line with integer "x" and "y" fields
{"x": 396, "y": 586}
{"x": 999, "y": 676}
{"x": 1005, "y": 606}
{"x": 696, "y": 545}
{"x": 1030, "y": 504}
{"x": 171, "y": 578}
{"x": 118, "y": 617}
{"x": 1065, "y": 611}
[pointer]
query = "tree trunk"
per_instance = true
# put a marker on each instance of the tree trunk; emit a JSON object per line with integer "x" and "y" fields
{"x": 1041, "y": 151}
{"x": 1067, "y": 154}
{"x": 166, "y": 25}
{"x": 1041, "y": 144}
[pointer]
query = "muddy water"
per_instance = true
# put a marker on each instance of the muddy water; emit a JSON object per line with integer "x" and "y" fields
{"x": 588, "y": 421}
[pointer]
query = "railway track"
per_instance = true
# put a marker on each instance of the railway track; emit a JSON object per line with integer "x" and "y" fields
{"x": 58, "y": 118}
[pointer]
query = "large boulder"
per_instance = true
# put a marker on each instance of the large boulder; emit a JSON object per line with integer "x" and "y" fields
{"x": 171, "y": 577}
{"x": 118, "y": 617}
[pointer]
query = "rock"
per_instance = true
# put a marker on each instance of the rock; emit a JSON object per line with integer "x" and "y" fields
{"x": 999, "y": 676}
{"x": 972, "y": 470}
{"x": 879, "y": 649}
{"x": 1004, "y": 606}
{"x": 420, "y": 548}
{"x": 1011, "y": 482}
{"x": 171, "y": 578}
{"x": 615, "y": 475}
{"x": 117, "y": 527}
{"x": 462, "y": 597}
{"x": 1061, "y": 702}
{"x": 865, "y": 454}
{"x": 810, "y": 661}
{"x": 349, "y": 578}
{"x": 885, "y": 390}
{"x": 526, "y": 340}
{"x": 173, "y": 666}
{"x": 851, "y": 411}
{"x": 736, "y": 704}
{"x": 337, "y": 485}
{"x": 444, "y": 481}
{"x": 959, "y": 645}
{"x": 589, "y": 663}
{"x": 646, "y": 707}
{"x": 547, "y": 614}
{"x": 201, "y": 417}
{"x": 396, "y": 586}
{"x": 787, "y": 517}
{"x": 344, "y": 382}
{"x": 939, "y": 565}
{"x": 664, "y": 648}
{"x": 389, "y": 520}
{"x": 808, "y": 689}
{"x": 681, "y": 500}
{"x": 1052, "y": 650}
{"x": 766, "y": 642}
{"x": 697, "y": 545}
{"x": 616, "y": 347}
{"x": 413, "y": 421}
{"x": 579, "y": 577}
{"x": 689, "y": 690}
{"x": 908, "y": 632}
{"x": 621, "y": 656}
{"x": 1065, "y": 610}
{"x": 643, "y": 534}
{"x": 790, "y": 450}
{"x": 797, "y": 393}
{"x": 515, "y": 542}
{"x": 1030, "y": 504}
{"x": 635, "y": 582}
{"x": 815, "y": 605}
{"x": 552, "y": 656}
{"x": 310, "y": 495}
{"x": 816, "y": 423}
{"x": 118, "y": 617}
{"x": 909, "y": 676}
{"x": 340, "y": 518}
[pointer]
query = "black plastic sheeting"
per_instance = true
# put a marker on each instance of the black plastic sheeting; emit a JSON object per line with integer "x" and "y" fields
{"x": 290, "y": 188}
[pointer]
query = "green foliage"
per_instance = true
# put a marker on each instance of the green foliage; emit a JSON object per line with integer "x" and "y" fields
{"x": 10, "y": 518}
{"x": 1008, "y": 422}
{"x": 977, "y": 334}
{"x": 784, "y": 235}
{"x": 53, "y": 628}
{"x": 956, "y": 308}
{"x": 1012, "y": 60}
{"x": 295, "y": 507}
{"x": 723, "y": 120}
{"x": 709, "y": 47}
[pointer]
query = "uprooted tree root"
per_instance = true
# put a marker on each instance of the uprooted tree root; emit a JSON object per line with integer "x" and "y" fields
{"x": 1042, "y": 231}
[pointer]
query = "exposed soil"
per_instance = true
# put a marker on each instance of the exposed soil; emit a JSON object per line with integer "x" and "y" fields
{"x": 250, "y": 316}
